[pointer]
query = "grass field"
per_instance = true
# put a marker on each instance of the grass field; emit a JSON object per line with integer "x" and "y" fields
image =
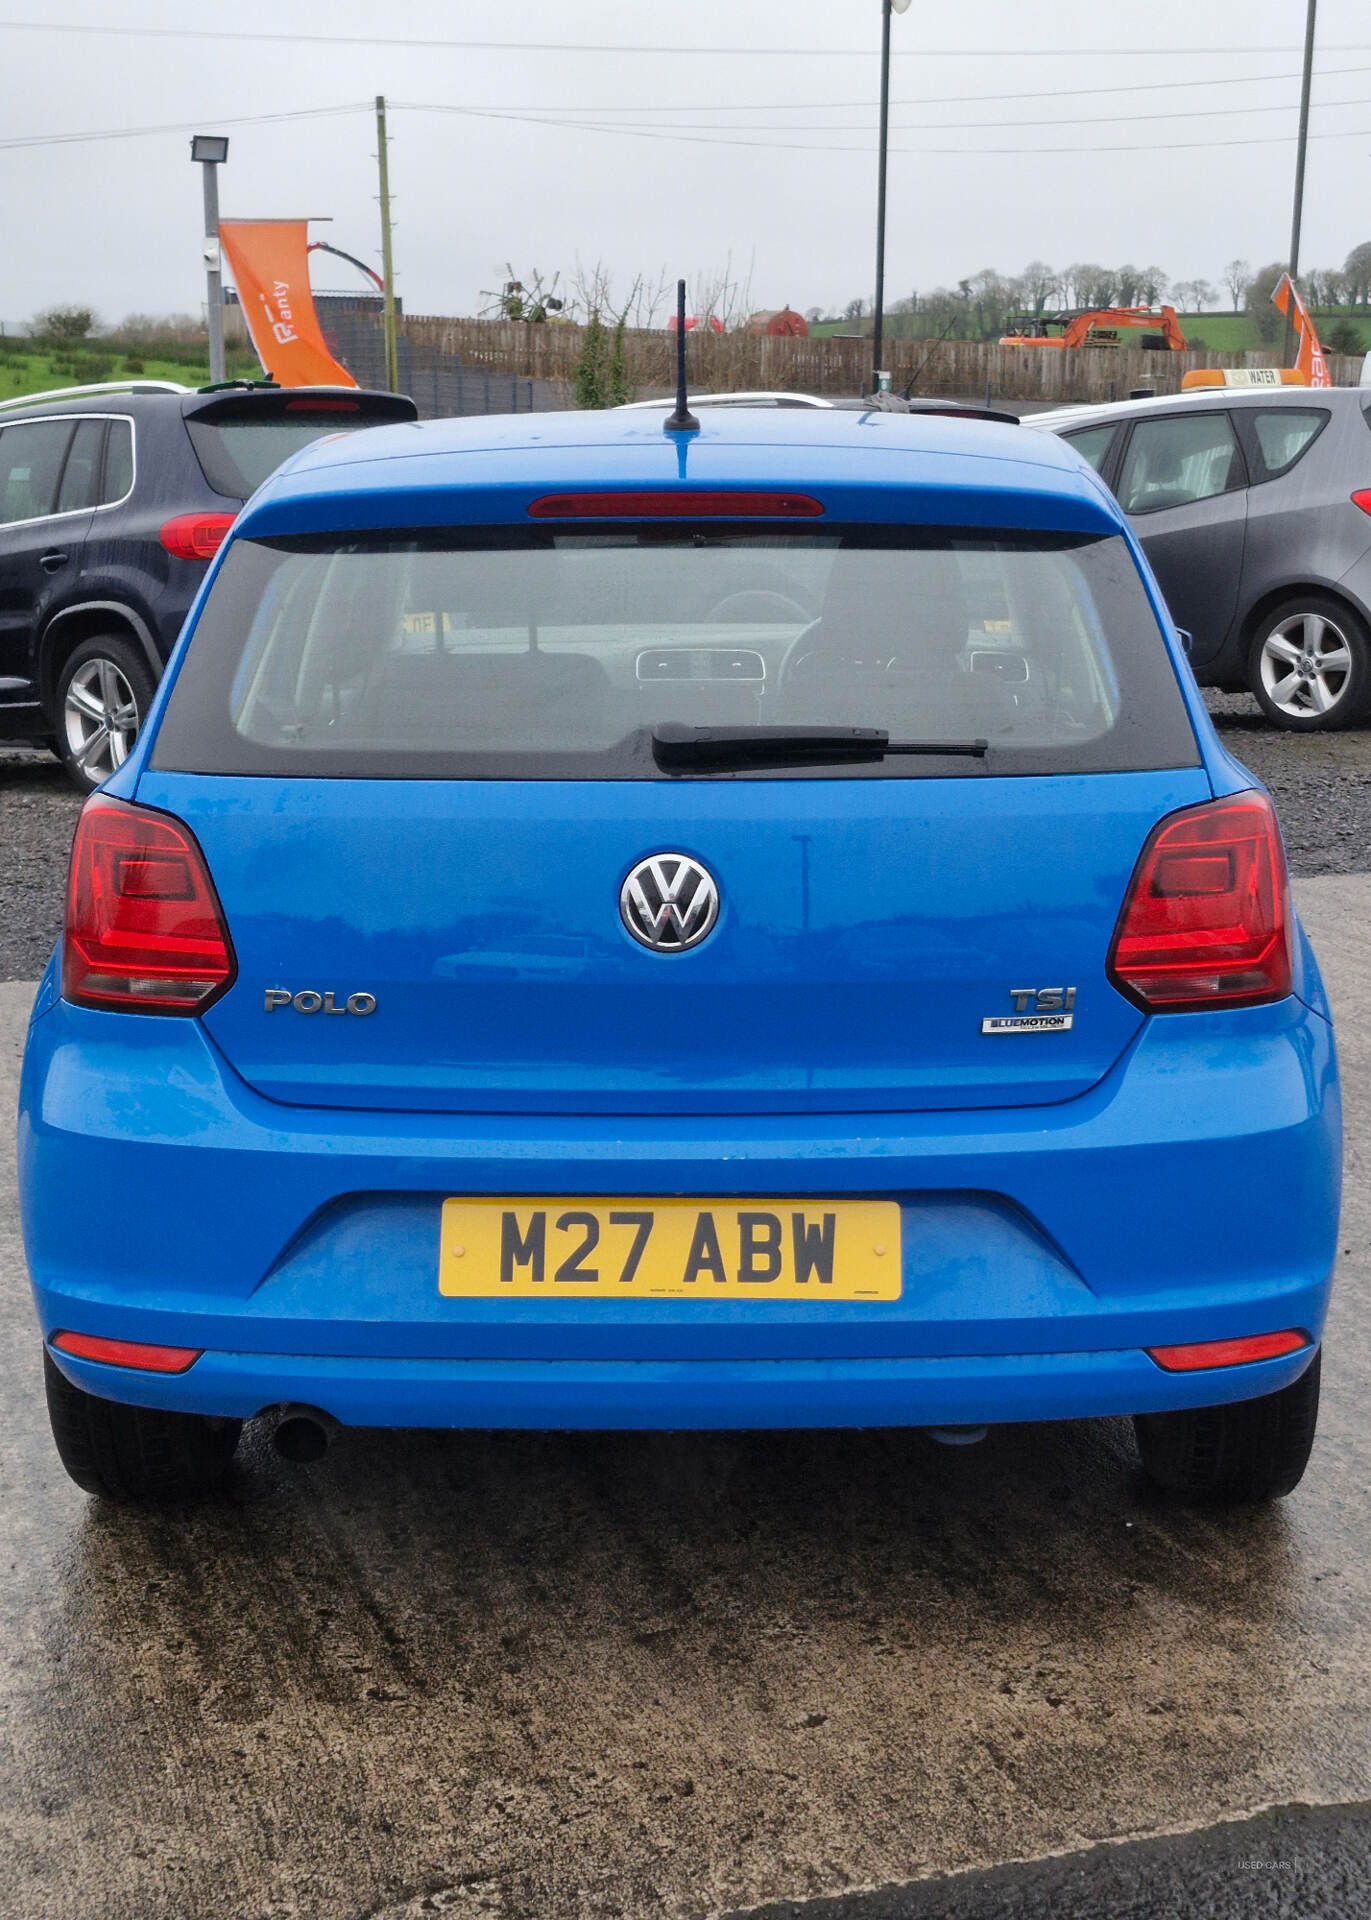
{"x": 23, "y": 371}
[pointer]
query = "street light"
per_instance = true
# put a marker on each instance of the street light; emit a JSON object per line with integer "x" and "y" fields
{"x": 210, "y": 151}
{"x": 1301, "y": 149}
{"x": 878, "y": 324}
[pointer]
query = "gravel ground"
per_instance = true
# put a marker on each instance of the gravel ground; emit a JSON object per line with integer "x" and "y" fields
{"x": 38, "y": 811}
{"x": 1321, "y": 783}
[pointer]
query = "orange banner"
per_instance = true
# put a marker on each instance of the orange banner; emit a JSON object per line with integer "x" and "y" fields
{"x": 1309, "y": 360}
{"x": 270, "y": 268}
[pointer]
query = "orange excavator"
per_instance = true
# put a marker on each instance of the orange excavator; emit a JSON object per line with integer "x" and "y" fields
{"x": 1098, "y": 327}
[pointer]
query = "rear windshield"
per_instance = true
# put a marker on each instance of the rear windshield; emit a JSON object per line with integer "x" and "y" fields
{"x": 236, "y": 456}
{"x": 552, "y": 654}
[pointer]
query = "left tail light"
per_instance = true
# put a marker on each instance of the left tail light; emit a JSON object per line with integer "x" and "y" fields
{"x": 127, "y": 1353}
{"x": 144, "y": 930}
{"x": 1206, "y": 921}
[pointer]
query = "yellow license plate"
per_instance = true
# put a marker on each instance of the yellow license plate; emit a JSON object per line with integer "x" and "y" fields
{"x": 577, "y": 1249}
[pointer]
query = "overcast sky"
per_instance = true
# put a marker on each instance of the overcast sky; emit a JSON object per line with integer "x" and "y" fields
{"x": 115, "y": 222}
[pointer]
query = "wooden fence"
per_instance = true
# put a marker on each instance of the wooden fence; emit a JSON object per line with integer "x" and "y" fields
{"x": 742, "y": 361}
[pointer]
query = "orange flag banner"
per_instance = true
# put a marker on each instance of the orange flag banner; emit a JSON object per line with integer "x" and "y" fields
{"x": 270, "y": 268}
{"x": 1309, "y": 360}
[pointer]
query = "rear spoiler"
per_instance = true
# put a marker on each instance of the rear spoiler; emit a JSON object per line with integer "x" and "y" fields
{"x": 278, "y": 403}
{"x": 951, "y": 409}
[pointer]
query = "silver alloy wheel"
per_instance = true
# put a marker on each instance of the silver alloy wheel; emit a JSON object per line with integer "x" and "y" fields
{"x": 101, "y": 718}
{"x": 1305, "y": 664}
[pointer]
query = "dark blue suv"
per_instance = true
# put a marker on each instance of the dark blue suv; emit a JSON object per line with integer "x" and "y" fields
{"x": 112, "y": 502}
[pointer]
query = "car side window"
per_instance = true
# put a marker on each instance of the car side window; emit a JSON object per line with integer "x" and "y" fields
{"x": 31, "y": 455}
{"x": 118, "y": 479}
{"x": 1093, "y": 445}
{"x": 78, "y": 475}
{"x": 1175, "y": 462}
{"x": 1285, "y": 434}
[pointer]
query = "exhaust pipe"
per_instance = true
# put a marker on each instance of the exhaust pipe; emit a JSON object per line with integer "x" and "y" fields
{"x": 302, "y": 1434}
{"x": 956, "y": 1436}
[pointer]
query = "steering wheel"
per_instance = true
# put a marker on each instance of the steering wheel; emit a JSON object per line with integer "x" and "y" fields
{"x": 759, "y": 604}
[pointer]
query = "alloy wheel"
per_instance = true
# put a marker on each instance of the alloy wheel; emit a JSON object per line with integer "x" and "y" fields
{"x": 1305, "y": 665}
{"x": 101, "y": 718}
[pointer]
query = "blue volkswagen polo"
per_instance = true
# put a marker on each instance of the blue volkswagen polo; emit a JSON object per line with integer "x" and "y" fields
{"x": 746, "y": 927}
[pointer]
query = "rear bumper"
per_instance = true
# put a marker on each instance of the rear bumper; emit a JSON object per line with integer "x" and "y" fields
{"x": 1192, "y": 1195}
{"x": 684, "y": 1395}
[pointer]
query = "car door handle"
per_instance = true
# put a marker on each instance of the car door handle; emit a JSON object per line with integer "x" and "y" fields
{"x": 50, "y": 562}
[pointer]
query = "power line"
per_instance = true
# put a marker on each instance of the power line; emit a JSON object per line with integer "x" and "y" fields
{"x": 181, "y": 126}
{"x": 773, "y": 52}
{"x": 955, "y": 99}
{"x": 811, "y": 146}
{"x": 707, "y": 136}
{"x": 957, "y": 126}
{"x": 716, "y": 134}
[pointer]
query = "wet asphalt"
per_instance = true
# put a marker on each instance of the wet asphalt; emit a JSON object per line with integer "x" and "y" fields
{"x": 576, "y": 1676}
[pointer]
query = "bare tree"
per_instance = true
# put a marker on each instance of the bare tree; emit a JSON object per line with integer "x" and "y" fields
{"x": 1265, "y": 317}
{"x": 945, "y": 314}
{"x": 1090, "y": 285}
{"x": 1037, "y": 285}
{"x": 591, "y": 290}
{"x": 653, "y": 296}
{"x": 1357, "y": 270}
{"x": 992, "y": 297}
{"x": 1237, "y": 277}
{"x": 720, "y": 295}
{"x": 1152, "y": 284}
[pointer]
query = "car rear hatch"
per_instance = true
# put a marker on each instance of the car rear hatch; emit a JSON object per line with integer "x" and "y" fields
{"x": 868, "y": 930}
{"x": 242, "y": 435}
{"x": 424, "y": 806}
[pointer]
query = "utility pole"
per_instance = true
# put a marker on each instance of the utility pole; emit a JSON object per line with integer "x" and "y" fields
{"x": 1300, "y": 151}
{"x": 387, "y": 261}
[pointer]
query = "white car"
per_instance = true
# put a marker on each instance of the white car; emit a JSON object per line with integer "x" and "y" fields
{"x": 735, "y": 400}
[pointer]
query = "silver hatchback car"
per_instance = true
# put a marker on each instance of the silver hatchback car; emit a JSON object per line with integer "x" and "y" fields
{"x": 1254, "y": 507}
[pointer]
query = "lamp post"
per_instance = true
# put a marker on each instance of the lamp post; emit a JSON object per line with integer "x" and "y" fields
{"x": 1301, "y": 149}
{"x": 878, "y": 322}
{"x": 211, "y": 151}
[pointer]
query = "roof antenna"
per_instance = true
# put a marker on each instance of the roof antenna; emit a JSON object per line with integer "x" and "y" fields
{"x": 683, "y": 420}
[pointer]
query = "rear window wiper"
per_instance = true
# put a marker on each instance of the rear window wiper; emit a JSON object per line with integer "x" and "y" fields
{"x": 675, "y": 744}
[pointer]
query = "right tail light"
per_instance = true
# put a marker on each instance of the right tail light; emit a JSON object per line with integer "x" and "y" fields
{"x": 1206, "y": 921}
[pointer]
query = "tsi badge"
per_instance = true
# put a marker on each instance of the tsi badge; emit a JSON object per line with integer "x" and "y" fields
{"x": 1036, "y": 1010}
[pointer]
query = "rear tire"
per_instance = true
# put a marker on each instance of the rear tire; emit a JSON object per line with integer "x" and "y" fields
{"x": 1226, "y": 1456}
{"x": 1310, "y": 665}
{"x": 103, "y": 694}
{"x": 128, "y": 1453}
